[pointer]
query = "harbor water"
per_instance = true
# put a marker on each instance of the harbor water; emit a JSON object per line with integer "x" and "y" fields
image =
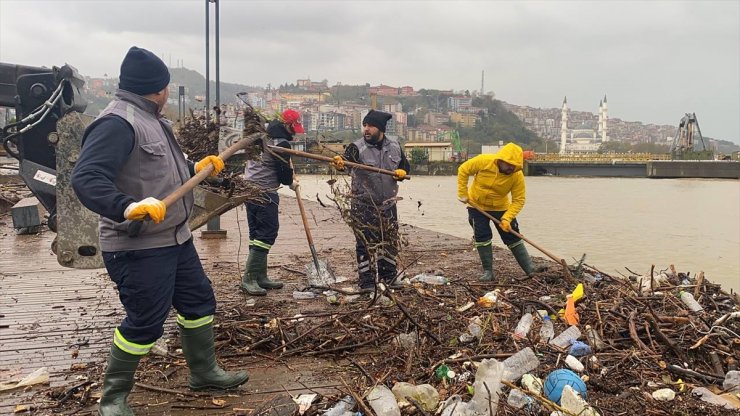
{"x": 618, "y": 223}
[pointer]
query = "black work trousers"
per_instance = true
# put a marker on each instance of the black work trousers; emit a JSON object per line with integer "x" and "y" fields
{"x": 376, "y": 232}
{"x": 482, "y": 227}
{"x": 263, "y": 222}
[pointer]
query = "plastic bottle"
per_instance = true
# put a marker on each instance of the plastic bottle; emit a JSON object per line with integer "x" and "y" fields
{"x": 688, "y": 299}
{"x": 341, "y": 407}
{"x": 297, "y": 294}
{"x": 517, "y": 399}
{"x": 564, "y": 339}
{"x": 547, "y": 331}
{"x": 519, "y": 364}
{"x": 383, "y": 401}
{"x": 430, "y": 279}
{"x": 594, "y": 339}
{"x": 522, "y": 328}
{"x": 490, "y": 372}
{"x": 571, "y": 316}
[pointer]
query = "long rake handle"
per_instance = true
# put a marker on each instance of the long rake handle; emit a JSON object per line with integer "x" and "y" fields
{"x": 545, "y": 252}
{"x": 304, "y": 218}
{"x": 135, "y": 226}
{"x": 328, "y": 159}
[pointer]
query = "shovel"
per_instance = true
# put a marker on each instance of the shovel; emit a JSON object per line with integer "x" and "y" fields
{"x": 321, "y": 274}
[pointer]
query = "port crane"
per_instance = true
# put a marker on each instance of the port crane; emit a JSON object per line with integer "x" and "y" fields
{"x": 689, "y": 144}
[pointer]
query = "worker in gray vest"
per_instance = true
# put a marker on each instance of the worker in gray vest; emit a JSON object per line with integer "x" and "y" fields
{"x": 373, "y": 204}
{"x": 129, "y": 162}
{"x": 268, "y": 173}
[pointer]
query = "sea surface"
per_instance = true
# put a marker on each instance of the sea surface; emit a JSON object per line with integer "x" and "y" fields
{"x": 618, "y": 223}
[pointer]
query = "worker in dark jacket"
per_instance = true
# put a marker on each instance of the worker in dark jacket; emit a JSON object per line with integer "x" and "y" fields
{"x": 269, "y": 173}
{"x": 129, "y": 162}
{"x": 373, "y": 203}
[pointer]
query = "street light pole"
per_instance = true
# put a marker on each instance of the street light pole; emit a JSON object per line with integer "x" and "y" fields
{"x": 213, "y": 228}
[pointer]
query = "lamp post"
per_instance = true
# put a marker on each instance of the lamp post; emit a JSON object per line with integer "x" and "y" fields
{"x": 213, "y": 228}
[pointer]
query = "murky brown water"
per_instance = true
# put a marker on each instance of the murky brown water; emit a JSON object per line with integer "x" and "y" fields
{"x": 617, "y": 222}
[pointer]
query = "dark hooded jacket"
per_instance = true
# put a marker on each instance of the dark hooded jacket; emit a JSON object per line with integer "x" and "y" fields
{"x": 270, "y": 171}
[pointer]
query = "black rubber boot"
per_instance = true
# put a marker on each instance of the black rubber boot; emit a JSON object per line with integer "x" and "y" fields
{"x": 249, "y": 279}
{"x": 261, "y": 272}
{"x": 200, "y": 353}
{"x": 118, "y": 382}
{"x": 522, "y": 257}
{"x": 486, "y": 260}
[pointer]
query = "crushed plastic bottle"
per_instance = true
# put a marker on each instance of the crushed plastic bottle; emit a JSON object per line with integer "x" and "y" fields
{"x": 565, "y": 338}
{"x": 424, "y": 394}
{"x": 688, "y": 299}
{"x": 430, "y": 279}
{"x": 475, "y": 326}
{"x": 732, "y": 382}
{"x": 517, "y": 399}
{"x": 487, "y": 379}
{"x": 345, "y": 405}
{"x": 546, "y": 331}
{"x": 522, "y": 328}
{"x": 297, "y": 294}
{"x": 383, "y": 401}
{"x": 594, "y": 339}
{"x": 489, "y": 299}
{"x": 519, "y": 364}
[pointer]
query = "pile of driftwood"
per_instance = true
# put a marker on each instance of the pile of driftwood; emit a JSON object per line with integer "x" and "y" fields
{"x": 199, "y": 138}
{"x": 645, "y": 337}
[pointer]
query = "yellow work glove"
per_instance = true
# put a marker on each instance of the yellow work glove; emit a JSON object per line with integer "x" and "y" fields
{"x": 400, "y": 174}
{"x": 151, "y": 207}
{"x": 218, "y": 164}
{"x": 506, "y": 225}
{"x": 338, "y": 163}
{"x": 463, "y": 199}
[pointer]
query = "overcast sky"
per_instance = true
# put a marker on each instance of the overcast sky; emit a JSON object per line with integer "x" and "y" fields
{"x": 654, "y": 60}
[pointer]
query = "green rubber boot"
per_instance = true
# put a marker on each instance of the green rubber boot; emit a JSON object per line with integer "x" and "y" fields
{"x": 486, "y": 260}
{"x": 261, "y": 272}
{"x": 249, "y": 279}
{"x": 522, "y": 257}
{"x": 200, "y": 353}
{"x": 118, "y": 382}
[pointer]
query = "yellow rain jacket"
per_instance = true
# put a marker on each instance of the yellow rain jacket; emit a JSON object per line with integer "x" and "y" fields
{"x": 490, "y": 189}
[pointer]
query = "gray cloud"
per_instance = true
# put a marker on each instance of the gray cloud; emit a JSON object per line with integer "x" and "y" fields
{"x": 654, "y": 60}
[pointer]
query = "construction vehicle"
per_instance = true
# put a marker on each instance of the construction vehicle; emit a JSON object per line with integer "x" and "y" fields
{"x": 452, "y": 136}
{"x": 46, "y": 139}
{"x": 689, "y": 144}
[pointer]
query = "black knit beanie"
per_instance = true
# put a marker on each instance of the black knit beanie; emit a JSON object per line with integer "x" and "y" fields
{"x": 377, "y": 119}
{"x": 142, "y": 72}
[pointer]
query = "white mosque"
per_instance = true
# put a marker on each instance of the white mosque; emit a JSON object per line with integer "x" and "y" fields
{"x": 584, "y": 138}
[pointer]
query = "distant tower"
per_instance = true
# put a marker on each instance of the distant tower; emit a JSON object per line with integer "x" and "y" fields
{"x": 601, "y": 117}
{"x": 563, "y": 125}
{"x": 482, "y": 75}
{"x": 602, "y": 125}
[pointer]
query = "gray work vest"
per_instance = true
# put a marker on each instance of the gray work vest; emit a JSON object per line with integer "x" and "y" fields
{"x": 372, "y": 187}
{"x": 263, "y": 172}
{"x": 155, "y": 167}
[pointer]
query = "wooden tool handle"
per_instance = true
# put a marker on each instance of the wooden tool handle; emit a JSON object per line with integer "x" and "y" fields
{"x": 329, "y": 159}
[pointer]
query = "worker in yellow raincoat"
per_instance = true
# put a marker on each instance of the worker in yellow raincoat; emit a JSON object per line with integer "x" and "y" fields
{"x": 498, "y": 188}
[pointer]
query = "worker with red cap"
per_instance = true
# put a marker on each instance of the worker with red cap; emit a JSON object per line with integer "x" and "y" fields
{"x": 269, "y": 173}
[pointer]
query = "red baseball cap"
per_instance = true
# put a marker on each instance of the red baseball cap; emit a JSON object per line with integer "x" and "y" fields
{"x": 292, "y": 117}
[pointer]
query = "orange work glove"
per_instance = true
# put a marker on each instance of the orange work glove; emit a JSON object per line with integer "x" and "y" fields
{"x": 506, "y": 225}
{"x": 400, "y": 174}
{"x": 337, "y": 163}
{"x": 151, "y": 207}
{"x": 218, "y": 164}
